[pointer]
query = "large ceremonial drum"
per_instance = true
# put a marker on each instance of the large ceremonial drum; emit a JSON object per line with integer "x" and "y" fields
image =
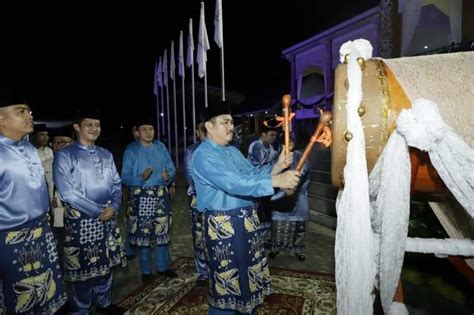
{"x": 388, "y": 87}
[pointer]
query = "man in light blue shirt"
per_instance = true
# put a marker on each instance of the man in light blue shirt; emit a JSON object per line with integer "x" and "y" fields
{"x": 89, "y": 185}
{"x": 291, "y": 212}
{"x": 200, "y": 256}
{"x": 226, "y": 187}
{"x": 29, "y": 268}
{"x": 262, "y": 153}
{"x": 147, "y": 170}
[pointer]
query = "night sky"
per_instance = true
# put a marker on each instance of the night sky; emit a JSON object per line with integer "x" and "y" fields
{"x": 103, "y": 56}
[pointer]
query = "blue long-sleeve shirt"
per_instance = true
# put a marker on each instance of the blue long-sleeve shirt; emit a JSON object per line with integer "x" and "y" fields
{"x": 188, "y": 172}
{"x": 86, "y": 178}
{"x": 225, "y": 180}
{"x": 296, "y": 206}
{"x": 260, "y": 154}
{"x": 137, "y": 158}
{"x": 23, "y": 190}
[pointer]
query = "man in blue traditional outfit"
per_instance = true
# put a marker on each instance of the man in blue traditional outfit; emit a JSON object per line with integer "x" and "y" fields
{"x": 40, "y": 139}
{"x": 130, "y": 250}
{"x": 226, "y": 187}
{"x": 262, "y": 153}
{"x": 147, "y": 169}
{"x": 62, "y": 137}
{"x": 200, "y": 257}
{"x": 88, "y": 182}
{"x": 30, "y": 276}
{"x": 291, "y": 212}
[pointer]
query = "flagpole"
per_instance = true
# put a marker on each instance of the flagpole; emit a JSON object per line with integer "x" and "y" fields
{"x": 165, "y": 82}
{"x": 175, "y": 125}
{"x": 219, "y": 38}
{"x": 194, "y": 102}
{"x": 158, "y": 114}
{"x": 168, "y": 116}
{"x": 162, "y": 112}
{"x": 205, "y": 90}
{"x": 156, "y": 92}
{"x": 184, "y": 114}
{"x": 173, "y": 77}
{"x": 182, "y": 74}
{"x": 161, "y": 92}
{"x": 190, "y": 63}
{"x": 203, "y": 46}
{"x": 222, "y": 73}
{"x": 205, "y": 61}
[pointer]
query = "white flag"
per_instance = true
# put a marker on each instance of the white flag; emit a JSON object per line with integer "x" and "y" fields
{"x": 172, "y": 65}
{"x": 190, "y": 52}
{"x": 181, "y": 55}
{"x": 203, "y": 45}
{"x": 218, "y": 31}
{"x": 165, "y": 68}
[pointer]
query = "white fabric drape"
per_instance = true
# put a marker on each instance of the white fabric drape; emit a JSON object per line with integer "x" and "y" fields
{"x": 453, "y": 159}
{"x": 389, "y": 184}
{"x": 355, "y": 267}
{"x": 423, "y": 128}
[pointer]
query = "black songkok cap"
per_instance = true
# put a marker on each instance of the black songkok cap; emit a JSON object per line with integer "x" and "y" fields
{"x": 40, "y": 127}
{"x": 144, "y": 120}
{"x": 214, "y": 110}
{"x": 9, "y": 98}
{"x": 87, "y": 113}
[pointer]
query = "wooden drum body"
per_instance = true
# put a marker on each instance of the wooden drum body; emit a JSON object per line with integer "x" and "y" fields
{"x": 383, "y": 99}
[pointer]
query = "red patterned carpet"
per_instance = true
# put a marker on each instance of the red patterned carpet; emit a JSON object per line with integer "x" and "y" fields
{"x": 294, "y": 292}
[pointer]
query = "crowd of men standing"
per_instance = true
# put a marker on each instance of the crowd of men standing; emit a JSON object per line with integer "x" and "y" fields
{"x": 78, "y": 191}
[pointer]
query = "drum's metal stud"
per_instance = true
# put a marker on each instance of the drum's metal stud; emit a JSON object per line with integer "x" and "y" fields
{"x": 362, "y": 110}
{"x": 346, "y": 58}
{"x": 346, "y": 84}
{"x": 361, "y": 62}
{"x": 347, "y": 136}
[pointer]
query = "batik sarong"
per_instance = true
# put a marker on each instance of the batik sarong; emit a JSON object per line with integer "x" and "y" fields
{"x": 288, "y": 235}
{"x": 30, "y": 275}
{"x": 197, "y": 228}
{"x": 239, "y": 278}
{"x": 91, "y": 247}
{"x": 149, "y": 216}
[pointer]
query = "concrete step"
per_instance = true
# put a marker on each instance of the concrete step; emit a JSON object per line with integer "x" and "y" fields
{"x": 321, "y": 165}
{"x": 320, "y": 176}
{"x": 322, "y": 205}
{"x": 322, "y": 153}
{"x": 318, "y": 154}
{"x": 322, "y": 190}
{"x": 323, "y": 219}
{"x": 321, "y": 193}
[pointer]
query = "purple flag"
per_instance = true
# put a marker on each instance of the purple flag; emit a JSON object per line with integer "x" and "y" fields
{"x": 181, "y": 55}
{"x": 190, "y": 52}
{"x": 159, "y": 74}
{"x": 165, "y": 68}
{"x": 172, "y": 64}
